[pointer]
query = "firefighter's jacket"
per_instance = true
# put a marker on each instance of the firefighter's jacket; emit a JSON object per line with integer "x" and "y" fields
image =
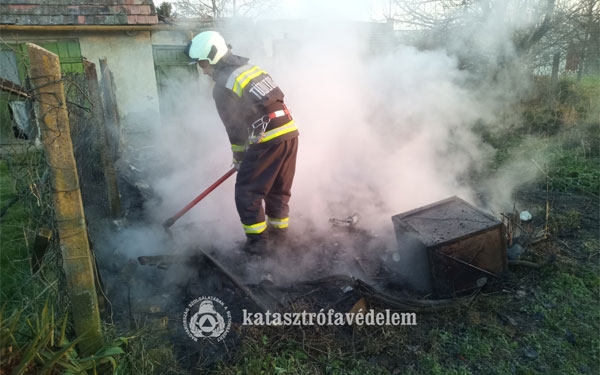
{"x": 244, "y": 94}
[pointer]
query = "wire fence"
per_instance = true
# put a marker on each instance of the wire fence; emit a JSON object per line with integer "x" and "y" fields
{"x": 28, "y": 202}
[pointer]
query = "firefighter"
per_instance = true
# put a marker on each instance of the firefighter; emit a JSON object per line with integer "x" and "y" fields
{"x": 263, "y": 137}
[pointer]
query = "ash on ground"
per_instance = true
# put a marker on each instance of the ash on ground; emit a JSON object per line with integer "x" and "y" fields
{"x": 149, "y": 284}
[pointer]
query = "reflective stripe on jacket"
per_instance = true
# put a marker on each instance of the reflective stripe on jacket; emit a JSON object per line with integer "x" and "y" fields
{"x": 244, "y": 93}
{"x": 241, "y": 77}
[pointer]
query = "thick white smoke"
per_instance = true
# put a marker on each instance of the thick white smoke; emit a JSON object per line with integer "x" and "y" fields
{"x": 384, "y": 129}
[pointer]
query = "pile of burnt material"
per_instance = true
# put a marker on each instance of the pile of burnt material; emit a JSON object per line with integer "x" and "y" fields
{"x": 321, "y": 270}
{"x": 445, "y": 252}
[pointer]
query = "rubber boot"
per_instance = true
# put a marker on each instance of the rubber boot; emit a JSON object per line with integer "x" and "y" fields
{"x": 278, "y": 238}
{"x": 257, "y": 244}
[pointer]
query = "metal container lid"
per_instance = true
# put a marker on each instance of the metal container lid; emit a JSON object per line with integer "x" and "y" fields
{"x": 446, "y": 220}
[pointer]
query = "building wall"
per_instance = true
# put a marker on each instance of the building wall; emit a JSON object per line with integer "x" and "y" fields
{"x": 129, "y": 58}
{"x": 171, "y": 38}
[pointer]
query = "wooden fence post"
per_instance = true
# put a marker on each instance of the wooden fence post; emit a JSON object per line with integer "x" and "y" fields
{"x": 111, "y": 114}
{"x": 110, "y": 177}
{"x": 51, "y": 112}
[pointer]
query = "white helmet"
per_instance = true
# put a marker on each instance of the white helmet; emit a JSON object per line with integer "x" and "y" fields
{"x": 208, "y": 45}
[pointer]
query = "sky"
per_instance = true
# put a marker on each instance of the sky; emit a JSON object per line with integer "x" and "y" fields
{"x": 360, "y": 10}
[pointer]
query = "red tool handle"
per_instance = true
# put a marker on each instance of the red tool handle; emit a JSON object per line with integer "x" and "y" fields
{"x": 170, "y": 221}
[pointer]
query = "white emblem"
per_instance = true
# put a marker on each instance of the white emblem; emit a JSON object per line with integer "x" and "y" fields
{"x": 211, "y": 319}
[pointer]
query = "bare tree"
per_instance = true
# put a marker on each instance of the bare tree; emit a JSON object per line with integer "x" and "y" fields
{"x": 221, "y": 8}
{"x": 200, "y": 8}
{"x": 581, "y": 37}
{"x": 425, "y": 14}
{"x": 442, "y": 16}
{"x": 571, "y": 39}
{"x": 533, "y": 35}
{"x": 549, "y": 31}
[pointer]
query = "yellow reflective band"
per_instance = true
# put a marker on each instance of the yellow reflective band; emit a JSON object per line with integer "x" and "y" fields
{"x": 255, "y": 228}
{"x": 233, "y": 76}
{"x": 243, "y": 79}
{"x": 284, "y": 129}
{"x": 238, "y": 148}
{"x": 279, "y": 223}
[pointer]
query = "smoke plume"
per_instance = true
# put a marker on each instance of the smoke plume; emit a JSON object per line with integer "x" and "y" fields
{"x": 385, "y": 126}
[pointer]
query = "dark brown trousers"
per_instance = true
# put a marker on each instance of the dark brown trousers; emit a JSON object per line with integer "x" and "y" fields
{"x": 267, "y": 173}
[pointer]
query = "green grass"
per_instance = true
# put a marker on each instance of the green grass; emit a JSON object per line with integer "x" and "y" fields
{"x": 36, "y": 335}
{"x": 545, "y": 322}
{"x": 570, "y": 172}
{"x": 15, "y": 237}
{"x": 533, "y": 321}
{"x": 43, "y": 347}
{"x": 279, "y": 352}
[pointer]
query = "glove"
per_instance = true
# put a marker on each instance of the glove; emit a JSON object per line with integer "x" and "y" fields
{"x": 237, "y": 164}
{"x": 238, "y": 156}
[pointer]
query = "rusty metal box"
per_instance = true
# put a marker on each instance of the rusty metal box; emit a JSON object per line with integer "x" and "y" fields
{"x": 465, "y": 246}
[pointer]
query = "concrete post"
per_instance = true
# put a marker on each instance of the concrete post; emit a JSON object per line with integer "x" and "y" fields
{"x": 51, "y": 113}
